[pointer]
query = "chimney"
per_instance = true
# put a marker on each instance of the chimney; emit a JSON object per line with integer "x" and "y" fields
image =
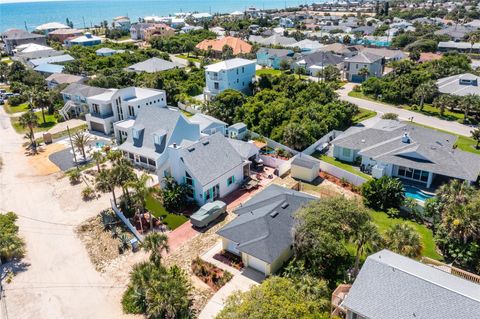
{"x": 174, "y": 145}
{"x": 405, "y": 138}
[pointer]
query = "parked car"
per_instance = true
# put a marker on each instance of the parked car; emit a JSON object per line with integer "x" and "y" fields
{"x": 208, "y": 213}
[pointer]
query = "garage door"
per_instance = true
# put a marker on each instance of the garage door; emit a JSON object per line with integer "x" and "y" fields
{"x": 256, "y": 264}
{"x": 357, "y": 78}
{"x": 232, "y": 247}
{"x": 97, "y": 127}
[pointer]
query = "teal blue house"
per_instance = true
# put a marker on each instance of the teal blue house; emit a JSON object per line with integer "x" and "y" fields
{"x": 273, "y": 57}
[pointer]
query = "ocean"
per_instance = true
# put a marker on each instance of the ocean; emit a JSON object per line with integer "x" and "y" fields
{"x": 90, "y": 12}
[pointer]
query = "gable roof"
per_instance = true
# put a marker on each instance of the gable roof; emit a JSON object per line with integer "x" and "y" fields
{"x": 153, "y": 65}
{"x": 18, "y": 34}
{"x": 364, "y": 57}
{"x": 279, "y": 53}
{"x": 245, "y": 149}
{"x": 161, "y": 121}
{"x": 275, "y": 39}
{"x": 451, "y": 84}
{"x": 385, "y": 53}
{"x": 238, "y": 45}
{"x": 205, "y": 121}
{"x": 52, "y": 59}
{"x": 393, "y": 285}
{"x": 49, "y": 68}
{"x": 62, "y": 78}
{"x": 210, "y": 158}
{"x": 320, "y": 58}
{"x": 260, "y": 233}
{"x": 426, "y": 149}
{"x": 306, "y": 44}
{"x": 83, "y": 90}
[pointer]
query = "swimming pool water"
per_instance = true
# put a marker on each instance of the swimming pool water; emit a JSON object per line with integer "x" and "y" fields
{"x": 413, "y": 192}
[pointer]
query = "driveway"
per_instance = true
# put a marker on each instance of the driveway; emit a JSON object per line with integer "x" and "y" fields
{"x": 449, "y": 126}
{"x": 242, "y": 281}
{"x": 56, "y": 278}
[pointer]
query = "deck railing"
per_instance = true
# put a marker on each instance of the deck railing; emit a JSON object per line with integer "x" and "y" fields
{"x": 452, "y": 270}
{"x": 337, "y": 298}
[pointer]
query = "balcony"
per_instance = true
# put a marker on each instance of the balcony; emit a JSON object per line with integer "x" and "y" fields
{"x": 337, "y": 298}
{"x": 101, "y": 115}
{"x": 451, "y": 270}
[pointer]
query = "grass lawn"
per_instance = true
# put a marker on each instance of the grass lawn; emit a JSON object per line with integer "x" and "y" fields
{"x": 346, "y": 166}
{"x": 189, "y": 58}
{"x": 363, "y": 115}
{"x": 16, "y": 109}
{"x": 268, "y": 71}
{"x": 383, "y": 222}
{"x": 65, "y": 133}
{"x": 171, "y": 220}
{"x": 50, "y": 121}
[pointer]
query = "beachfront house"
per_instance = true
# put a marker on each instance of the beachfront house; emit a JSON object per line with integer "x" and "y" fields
{"x": 15, "y": 37}
{"x": 420, "y": 156}
{"x": 390, "y": 285}
{"x": 236, "y": 74}
{"x": 115, "y": 105}
{"x": 262, "y": 231}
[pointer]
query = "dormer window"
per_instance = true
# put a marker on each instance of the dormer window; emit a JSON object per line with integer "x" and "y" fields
{"x": 157, "y": 139}
{"x": 135, "y": 133}
{"x": 468, "y": 82}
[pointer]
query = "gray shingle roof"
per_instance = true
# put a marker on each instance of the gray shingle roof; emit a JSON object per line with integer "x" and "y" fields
{"x": 206, "y": 121}
{"x": 245, "y": 149}
{"x": 18, "y": 34}
{"x": 393, "y": 286}
{"x": 275, "y": 39}
{"x": 364, "y": 57}
{"x": 154, "y": 65}
{"x": 83, "y": 90}
{"x": 280, "y": 53}
{"x": 451, "y": 84}
{"x": 259, "y": 234}
{"x": 210, "y": 158}
{"x": 320, "y": 58}
{"x": 152, "y": 121}
{"x": 427, "y": 149}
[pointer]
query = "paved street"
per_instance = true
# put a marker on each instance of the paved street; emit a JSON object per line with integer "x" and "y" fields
{"x": 56, "y": 278}
{"x": 450, "y": 126}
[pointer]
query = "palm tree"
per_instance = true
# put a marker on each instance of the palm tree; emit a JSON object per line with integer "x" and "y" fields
{"x": 366, "y": 238}
{"x": 29, "y": 119}
{"x": 467, "y": 103}
{"x": 476, "y": 136}
{"x": 473, "y": 37}
{"x": 156, "y": 243}
{"x": 97, "y": 157}
{"x": 80, "y": 140}
{"x": 364, "y": 73}
{"x": 141, "y": 191}
{"x": 444, "y": 102}
{"x": 425, "y": 91}
{"x": 41, "y": 100}
{"x": 455, "y": 193}
{"x": 404, "y": 240}
{"x": 123, "y": 170}
{"x": 105, "y": 181}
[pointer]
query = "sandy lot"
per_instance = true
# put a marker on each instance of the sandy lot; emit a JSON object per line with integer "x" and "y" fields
{"x": 56, "y": 279}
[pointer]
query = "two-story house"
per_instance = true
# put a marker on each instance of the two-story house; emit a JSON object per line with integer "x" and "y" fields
{"x": 273, "y": 58}
{"x": 75, "y": 97}
{"x": 236, "y": 74}
{"x": 362, "y": 66}
{"x": 117, "y": 105}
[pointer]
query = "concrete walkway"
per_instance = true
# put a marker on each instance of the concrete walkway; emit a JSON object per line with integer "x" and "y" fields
{"x": 382, "y": 108}
{"x": 242, "y": 281}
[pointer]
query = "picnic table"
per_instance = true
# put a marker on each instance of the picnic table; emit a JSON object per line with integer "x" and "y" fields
{"x": 250, "y": 184}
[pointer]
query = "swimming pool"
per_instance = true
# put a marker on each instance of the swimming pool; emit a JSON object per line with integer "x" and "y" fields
{"x": 100, "y": 144}
{"x": 416, "y": 193}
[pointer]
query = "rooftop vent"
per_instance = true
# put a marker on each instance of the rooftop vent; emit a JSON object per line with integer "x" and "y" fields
{"x": 205, "y": 142}
{"x": 405, "y": 138}
{"x": 274, "y": 214}
{"x": 285, "y": 205}
{"x": 191, "y": 149}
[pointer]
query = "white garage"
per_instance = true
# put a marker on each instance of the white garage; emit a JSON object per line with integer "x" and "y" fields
{"x": 257, "y": 264}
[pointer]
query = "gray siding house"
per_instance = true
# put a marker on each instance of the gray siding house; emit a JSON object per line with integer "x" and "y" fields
{"x": 364, "y": 60}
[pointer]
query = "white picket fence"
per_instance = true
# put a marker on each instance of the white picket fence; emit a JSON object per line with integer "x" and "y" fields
{"x": 341, "y": 173}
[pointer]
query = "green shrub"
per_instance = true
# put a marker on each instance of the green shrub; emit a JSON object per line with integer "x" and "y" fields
{"x": 390, "y": 116}
{"x": 17, "y": 100}
{"x": 383, "y": 193}
{"x": 74, "y": 177}
{"x": 130, "y": 302}
{"x": 88, "y": 193}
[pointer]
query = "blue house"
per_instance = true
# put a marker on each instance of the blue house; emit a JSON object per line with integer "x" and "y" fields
{"x": 272, "y": 58}
{"x": 86, "y": 40}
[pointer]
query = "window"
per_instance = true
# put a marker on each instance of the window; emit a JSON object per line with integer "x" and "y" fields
{"x": 131, "y": 110}
{"x": 230, "y": 180}
{"x": 151, "y": 162}
{"x": 157, "y": 139}
{"x": 346, "y": 152}
{"x": 216, "y": 85}
{"x": 143, "y": 159}
{"x": 188, "y": 179}
{"x": 238, "y": 80}
{"x": 243, "y": 69}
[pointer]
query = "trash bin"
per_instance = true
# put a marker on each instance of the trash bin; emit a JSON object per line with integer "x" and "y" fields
{"x": 47, "y": 138}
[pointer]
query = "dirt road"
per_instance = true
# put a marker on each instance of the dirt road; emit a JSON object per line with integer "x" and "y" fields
{"x": 56, "y": 279}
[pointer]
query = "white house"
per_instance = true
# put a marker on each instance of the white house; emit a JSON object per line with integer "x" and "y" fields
{"x": 213, "y": 166}
{"x": 236, "y": 74}
{"x": 407, "y": 151}
{"x": 115, "y": 105}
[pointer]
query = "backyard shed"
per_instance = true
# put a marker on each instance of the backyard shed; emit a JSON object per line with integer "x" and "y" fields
{"x": 305, "y": 168}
